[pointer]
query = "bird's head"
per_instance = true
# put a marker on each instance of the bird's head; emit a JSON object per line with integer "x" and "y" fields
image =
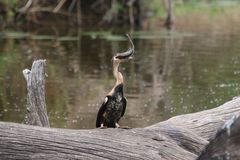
{"x": 119, "y": 57}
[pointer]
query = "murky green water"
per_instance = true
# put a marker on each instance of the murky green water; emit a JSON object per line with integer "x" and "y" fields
{"x": 172, "y": 73}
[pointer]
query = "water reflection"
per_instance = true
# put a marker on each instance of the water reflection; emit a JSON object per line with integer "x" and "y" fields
{"x": 172, "y": 73}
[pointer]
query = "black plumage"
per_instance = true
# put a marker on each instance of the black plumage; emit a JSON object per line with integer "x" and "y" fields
{"x": 114, "y": 106}
{"x": 112, "y": 109}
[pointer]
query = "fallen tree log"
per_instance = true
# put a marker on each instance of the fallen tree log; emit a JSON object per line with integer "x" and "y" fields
{"x": 226, "y": 143}
{"x": 179, "y": 138}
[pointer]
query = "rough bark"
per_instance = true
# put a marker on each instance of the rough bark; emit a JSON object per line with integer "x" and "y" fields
{"x": 205, "y": 123}
{"x": 179, "y": 138}
{"x": 36, "y": 104}
{"x": 226, "y": 143}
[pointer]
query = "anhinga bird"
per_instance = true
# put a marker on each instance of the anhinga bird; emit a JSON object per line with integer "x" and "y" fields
{"x": 113, "y": 108}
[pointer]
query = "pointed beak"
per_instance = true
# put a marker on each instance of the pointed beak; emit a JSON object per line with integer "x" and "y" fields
{"x": 128, "y": 53}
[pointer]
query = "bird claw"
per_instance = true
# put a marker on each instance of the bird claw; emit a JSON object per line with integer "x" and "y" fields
{"x": 120, "y": 127}
{"x": 124, "y": 127}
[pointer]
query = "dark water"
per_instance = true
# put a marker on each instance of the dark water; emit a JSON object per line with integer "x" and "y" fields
{"x": 172, "y": 73}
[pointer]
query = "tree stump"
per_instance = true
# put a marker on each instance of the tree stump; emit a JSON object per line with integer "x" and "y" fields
{"x": 36, "y": 104}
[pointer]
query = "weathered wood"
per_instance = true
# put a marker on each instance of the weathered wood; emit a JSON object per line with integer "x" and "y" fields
{"x": 226, "y": 143}
{"x": 206, "y": 123}
{"x": 179, "y": 138}
{"x": 36, "y": 104}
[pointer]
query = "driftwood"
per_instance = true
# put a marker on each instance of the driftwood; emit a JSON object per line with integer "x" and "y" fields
{"x": 179, "y": 138}
{"x": 183, "y": 137}
{"x": 36, "y": 105}
{"x": 226, "y": 143}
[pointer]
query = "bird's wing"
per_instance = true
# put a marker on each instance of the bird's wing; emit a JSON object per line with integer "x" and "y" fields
{"x": 101, "y": 111}
{"x": 124, "y": 106}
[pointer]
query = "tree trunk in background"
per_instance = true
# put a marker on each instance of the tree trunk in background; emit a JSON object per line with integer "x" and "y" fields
{"x": 169, "y": 9}
{"x": 179, "y": 138}
{"x": 77, "y": 12}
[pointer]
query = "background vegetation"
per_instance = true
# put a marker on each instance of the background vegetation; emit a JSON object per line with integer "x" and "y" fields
{"x": 104, "y": 13}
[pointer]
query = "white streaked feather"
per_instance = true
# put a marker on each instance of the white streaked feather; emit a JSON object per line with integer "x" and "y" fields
{"x": 106, "y": 99}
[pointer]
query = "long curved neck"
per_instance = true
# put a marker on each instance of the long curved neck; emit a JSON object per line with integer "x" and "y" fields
{"x": 117, "y": 75}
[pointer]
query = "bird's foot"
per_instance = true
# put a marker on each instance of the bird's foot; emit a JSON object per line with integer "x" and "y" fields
{"x": 102, "y": 127}
{"x": 117, "y": 125}
{"x": 124, "y": 127}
